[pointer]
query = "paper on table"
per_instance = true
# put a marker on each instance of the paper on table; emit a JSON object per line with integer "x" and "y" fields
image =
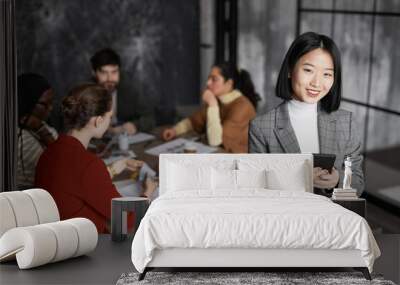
{"x": 131, "y": 188}
{"x": 128, "y": 188}
{"x": 140, "y": 137}
{"x": 178, "y": 145}
{"x": 146, "y": 170}
{"x": 117, "y": 155}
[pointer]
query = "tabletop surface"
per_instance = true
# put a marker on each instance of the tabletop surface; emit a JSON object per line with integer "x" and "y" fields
{"x": 152, "y": 160}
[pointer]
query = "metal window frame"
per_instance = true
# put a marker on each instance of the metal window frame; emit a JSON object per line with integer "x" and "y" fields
{"x": 226, "y": 22}
{"x": 374, "y": 13}
{"x": 8, "y": 100}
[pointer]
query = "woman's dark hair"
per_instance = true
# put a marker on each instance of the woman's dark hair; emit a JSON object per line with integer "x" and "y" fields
{"x": 31, "y": 87}
{"x": 303, "y": 44}
{"x": 106, "y": 56}
{"x": 83, "y": 102}
{"x": 241, "y": 80}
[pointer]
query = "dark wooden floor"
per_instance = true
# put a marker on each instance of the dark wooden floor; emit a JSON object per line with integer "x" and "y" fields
{"x": 106, "y": 264}
{"x": 381, "y": 220}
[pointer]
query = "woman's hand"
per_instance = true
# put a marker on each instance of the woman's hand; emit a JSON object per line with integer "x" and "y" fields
{"x": 325, "y": 180}
{"x": 169, "y": 134}
{"x": 120, "y": 165}
{"x": 149, "y": 185}
{"x": 133, "y": 164}
{"x": 209, "y": 98}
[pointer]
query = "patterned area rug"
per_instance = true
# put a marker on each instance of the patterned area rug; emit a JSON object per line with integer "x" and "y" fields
{"x": 225, "y": 278}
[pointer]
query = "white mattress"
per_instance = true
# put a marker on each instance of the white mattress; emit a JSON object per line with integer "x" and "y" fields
{"x": 252, "y": 218}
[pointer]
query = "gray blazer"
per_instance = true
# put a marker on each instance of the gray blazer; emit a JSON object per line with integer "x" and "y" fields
{"x": 273, "y": 133}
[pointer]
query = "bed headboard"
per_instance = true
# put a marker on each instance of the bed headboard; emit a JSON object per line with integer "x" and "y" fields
{"x": 233, "y": 161}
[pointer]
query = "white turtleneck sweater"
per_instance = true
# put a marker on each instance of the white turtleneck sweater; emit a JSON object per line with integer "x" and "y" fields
{"x": 304, "y": 120}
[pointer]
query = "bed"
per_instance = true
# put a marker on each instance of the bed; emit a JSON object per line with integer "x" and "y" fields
{"x": 247, "y": 210}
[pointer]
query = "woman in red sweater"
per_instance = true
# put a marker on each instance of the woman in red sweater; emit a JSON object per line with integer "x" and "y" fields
{"x": 77, "y": 179}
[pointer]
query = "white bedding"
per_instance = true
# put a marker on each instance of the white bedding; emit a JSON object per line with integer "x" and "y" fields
{"x": 252, "y": 218}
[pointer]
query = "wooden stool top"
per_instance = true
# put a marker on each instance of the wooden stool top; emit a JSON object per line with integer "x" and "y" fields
{"x": 130, "y": 199}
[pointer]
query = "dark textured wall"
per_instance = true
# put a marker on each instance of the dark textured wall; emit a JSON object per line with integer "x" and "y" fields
{"x": 157, "y": 40}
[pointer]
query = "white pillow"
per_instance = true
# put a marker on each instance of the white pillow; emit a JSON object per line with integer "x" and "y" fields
{"x": 223, "y": 179}
{"x": 294, "y": 179}
{"x": 182, "y": 177}
{"x": 251, "y": 178}
{"x": 289, "y": 173}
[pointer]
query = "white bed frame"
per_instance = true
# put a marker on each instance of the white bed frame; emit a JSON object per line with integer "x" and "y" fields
{"x": 250, "y": 258}
{"x": 234, "y": 257}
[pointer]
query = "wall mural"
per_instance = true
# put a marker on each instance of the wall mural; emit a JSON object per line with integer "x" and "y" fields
{"x": 157, "y": 42}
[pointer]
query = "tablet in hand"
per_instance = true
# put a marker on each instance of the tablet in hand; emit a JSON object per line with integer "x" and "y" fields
{"x": 324, "y": 160}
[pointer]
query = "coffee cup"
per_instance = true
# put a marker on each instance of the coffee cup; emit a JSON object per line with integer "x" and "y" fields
{"x": 189, "y": 148}
{"x": 123, "y": 142}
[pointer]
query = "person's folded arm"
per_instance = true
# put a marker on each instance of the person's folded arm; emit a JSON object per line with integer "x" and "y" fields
{"x": 98, "y": 188}
{"x": 214, "y": 126}
{"x": 183, "y": 126}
